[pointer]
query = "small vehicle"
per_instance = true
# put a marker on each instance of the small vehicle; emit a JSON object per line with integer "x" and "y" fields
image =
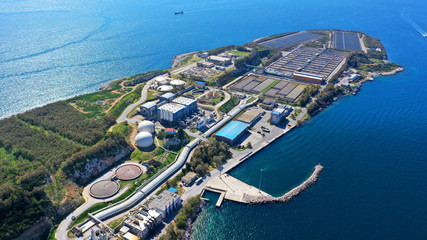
{"x": 73, "y": 218}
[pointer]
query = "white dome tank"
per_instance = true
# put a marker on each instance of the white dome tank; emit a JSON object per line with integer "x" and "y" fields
{"x": 146, "y": 126}
{"x": 144, "y": 139}
{"x": 165, "y": 88}
{"x": 161, "y": 80}
{"x": 177, "y": 82}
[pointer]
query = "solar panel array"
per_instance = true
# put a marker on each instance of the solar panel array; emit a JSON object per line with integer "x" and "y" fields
{"x": 346, "y": 40}
{"x": 290, "y": 40}
{"x": 317, "y": 61}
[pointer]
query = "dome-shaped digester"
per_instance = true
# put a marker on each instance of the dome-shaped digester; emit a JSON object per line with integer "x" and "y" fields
{"x": 144, "y": 139}
{"x": 161, "y": 80}
{"x": 165, "y": 88}
{"x": 146, "y": 126}
{"x": 177, "y": 82}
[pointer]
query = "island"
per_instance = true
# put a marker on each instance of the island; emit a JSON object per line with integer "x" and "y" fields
{"x": 121, "y": 161}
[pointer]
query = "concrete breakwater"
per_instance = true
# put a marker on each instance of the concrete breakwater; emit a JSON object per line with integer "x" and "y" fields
{"x": 251, "y": 199}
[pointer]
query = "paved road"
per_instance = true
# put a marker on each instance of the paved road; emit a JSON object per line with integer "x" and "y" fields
{"x": 275, "y": 132}
{"x": 183, "y": 69}
{"x": 144, "y": 93}
{"x": 61, "y": 232}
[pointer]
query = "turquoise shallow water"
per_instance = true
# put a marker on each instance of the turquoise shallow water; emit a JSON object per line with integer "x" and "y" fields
{"x": 372, "y": 145}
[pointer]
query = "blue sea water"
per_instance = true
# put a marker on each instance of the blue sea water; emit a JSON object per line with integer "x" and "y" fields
{"x": 372, "y": 145}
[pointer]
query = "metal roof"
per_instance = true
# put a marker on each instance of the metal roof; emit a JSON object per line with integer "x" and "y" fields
{"x": 232, "y": 130}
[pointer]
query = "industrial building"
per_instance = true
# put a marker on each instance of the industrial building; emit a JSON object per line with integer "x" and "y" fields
{"x": 205, "y": 64}
{"x": 148, "y": 110}
{"x": 189, "y": 179}
{"x": 251, "y": 116}
{"x": 167, "y": 97}
{"x": 190, "y": 104}
{"x": 308, "y": 64}
{"x": 223, "y": 61}
{"x": 279, "y": 113}
{"x": 171, "y": 112}
{"x": 232, "y": 132}
{"x": 140, "y": 223}
{"x": 165, "y": 203}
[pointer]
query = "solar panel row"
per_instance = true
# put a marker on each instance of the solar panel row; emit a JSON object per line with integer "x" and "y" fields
{"x": 346, "y": 40}
{"x": 290, "y": 40}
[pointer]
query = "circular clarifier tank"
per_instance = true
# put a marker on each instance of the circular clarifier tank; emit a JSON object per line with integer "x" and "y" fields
{"x": 128, "y": 172}
{"x": 104, "y": 189}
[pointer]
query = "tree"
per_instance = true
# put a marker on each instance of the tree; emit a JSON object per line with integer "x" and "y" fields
{"x": 249, "y": 145}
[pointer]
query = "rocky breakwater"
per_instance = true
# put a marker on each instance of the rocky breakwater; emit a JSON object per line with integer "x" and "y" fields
{"x": 289, "y": 195}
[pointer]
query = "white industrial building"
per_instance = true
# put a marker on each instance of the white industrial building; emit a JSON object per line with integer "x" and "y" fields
{"x": 171, "y": 112}
{"x": 140, "y": 223}
{"x": 219, "y": 60}
{"x": 165, "y": 203}
{"x": 279, "y": 113}
{"x": 177, "y": 110}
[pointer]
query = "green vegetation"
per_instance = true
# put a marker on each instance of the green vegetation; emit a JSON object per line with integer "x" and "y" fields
{"x": 176, "y": 229}
{"x": 251, "y": 99}
{"x": 368, "y": 63}
{"x": 296, "y": 113}
{"x": 142, "y": 77}
{"x": 219, "y": 50}
{"x": 106, "y": 148}
{"x": 82, "y": 217}
{"x": 230, "y": 104}
{"x": 35, "y": 144}
{"x": 62, "y": 118}
{"x": 123, "y": 128}
{"x": 235, "y": 52}
{"x": 212, "y": 154}
{"x": 307, "y": 94}
{"x": 227, "y": 77}
{"x": 132, "y": 97}
{"x": 324, "y": 98}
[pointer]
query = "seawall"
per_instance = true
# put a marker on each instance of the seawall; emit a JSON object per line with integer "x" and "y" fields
{"x": 289, "y": 195}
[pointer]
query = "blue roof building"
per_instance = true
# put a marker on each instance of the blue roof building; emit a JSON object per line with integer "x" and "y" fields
{"x": 232, "y": 132}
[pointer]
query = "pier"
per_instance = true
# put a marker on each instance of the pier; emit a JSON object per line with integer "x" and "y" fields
{"x": 233, "y": 189}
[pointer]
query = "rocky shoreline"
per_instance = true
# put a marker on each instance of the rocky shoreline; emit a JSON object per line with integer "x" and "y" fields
{"x": 176, "y": 62}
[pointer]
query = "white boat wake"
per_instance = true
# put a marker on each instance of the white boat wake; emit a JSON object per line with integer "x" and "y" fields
{"x": 411, "y": 22}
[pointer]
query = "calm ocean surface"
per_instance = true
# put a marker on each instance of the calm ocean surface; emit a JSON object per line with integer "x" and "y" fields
{"x": 373, "y": 145}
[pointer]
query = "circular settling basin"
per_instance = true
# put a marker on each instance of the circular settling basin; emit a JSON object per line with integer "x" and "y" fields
{"x": 128, "y": 172}
{"x": 104, "y": 189}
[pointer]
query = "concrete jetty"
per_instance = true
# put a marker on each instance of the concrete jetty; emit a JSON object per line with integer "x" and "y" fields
{"x": 233, "y": 189}
{"x": 289, "y": 195}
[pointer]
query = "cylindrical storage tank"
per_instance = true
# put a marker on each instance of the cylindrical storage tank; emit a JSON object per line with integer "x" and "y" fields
{"x": 165, "y": 88}
{"x": 177, "y": 83}
{"x": 146, "y": 126}
{"x": 144, "y": 139}
{"x": 161, "y": 80}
